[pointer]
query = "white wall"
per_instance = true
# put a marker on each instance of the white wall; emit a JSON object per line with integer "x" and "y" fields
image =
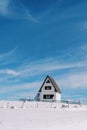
{"x": 58, "y": 96}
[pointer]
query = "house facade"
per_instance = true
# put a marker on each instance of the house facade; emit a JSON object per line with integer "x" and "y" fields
{"x": 49, "y": 90}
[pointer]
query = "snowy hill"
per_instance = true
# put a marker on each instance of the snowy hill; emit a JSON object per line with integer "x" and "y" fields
{"x": 14, "y": 115}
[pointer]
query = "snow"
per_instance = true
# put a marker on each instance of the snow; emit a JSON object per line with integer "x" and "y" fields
{"x": 16, "y": 115}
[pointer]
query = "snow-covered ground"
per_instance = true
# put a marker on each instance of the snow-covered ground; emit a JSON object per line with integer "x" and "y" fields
{"x": 41, "y": 116}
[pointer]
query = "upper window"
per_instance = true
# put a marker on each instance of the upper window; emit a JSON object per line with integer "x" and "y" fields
{"x": 47, "y": 81}
{"x": 47, "y": 87}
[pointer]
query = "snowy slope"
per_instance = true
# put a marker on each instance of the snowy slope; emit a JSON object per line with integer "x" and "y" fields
{"x": 41, "y": 116}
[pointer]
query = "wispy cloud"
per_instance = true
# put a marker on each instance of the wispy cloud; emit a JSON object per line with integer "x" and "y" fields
{"x": 6, "y": 60}
{"x": 65, "y": 62}
{"x": 44, "y": 66}
{"x": 9, "y": 72}
{"x": 29, "y": 16}
{"x": 10, "y": 10}
{"x": 76, "y": 73}
{"x": 84, "y": 25}
{"x": 75, "y": 70}
{"x": 7, "y": 57}
{"x": 78, "y": 80}
{"x": 4, "y": 7}
{"x": 9, "y": 53}
{"x": 21, "y": 87}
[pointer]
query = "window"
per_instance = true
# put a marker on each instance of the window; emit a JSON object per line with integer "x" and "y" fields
{"x": 47, "y": 87}
{"x": 48, "y": 96}
{"x": 47, "y": 81}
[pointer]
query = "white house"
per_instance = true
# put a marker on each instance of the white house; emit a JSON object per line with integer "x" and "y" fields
{"x": 49, "y": 91}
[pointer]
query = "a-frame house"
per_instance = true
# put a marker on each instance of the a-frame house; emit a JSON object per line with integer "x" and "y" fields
{"x": 49, "y": 91}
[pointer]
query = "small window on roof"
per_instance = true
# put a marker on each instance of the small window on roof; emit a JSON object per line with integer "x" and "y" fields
{"x": 48, "y": 81}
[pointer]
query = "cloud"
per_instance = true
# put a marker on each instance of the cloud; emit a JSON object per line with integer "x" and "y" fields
{"x": 78, "y": 80}
{"x": 20, "y": 88}
{"x": 36, "y": 68}
{"x": 9, "y": 72}
{"x": 73, "y": 74}
{"x": 46, "y": 66}
{"x": 9, "y": 9}
{"x": 83, "y": 25}
{"x": 29, "y": 16}
{"x": 75, "y": 70}
{"x": 9, "y": 53}
{"x": 7, "y": 57}
{"x": 4, "y": 7}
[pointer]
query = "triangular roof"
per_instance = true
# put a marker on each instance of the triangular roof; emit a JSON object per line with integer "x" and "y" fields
{"x": 53, "y": 83}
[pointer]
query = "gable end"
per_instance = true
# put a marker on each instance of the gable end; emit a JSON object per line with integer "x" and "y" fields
{"x": 53, "y": 83}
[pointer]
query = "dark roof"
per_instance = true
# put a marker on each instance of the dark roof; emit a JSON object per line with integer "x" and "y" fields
{"x": 53, "y": 83}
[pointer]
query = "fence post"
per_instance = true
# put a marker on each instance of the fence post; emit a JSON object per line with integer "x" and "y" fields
{"x": 7, "y": 104}
{"x": 37, "y": 105}
{"x": 51, "y": 105}
{"x": 23, "y": 102}
{"x": 79, "y": 103}
{"x": 68, "y": 104}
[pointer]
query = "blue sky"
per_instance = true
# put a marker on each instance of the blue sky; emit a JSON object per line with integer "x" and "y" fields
{"x": 40, "y": 38}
